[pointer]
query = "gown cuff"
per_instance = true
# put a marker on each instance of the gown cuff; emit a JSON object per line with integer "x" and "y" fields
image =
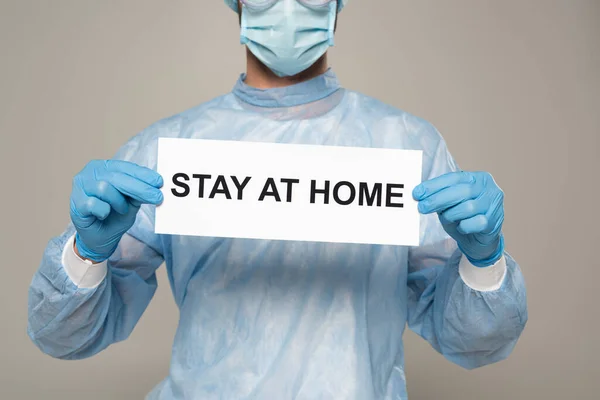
{"x": 482, "y": 279}
{"x": 83, "y": 273}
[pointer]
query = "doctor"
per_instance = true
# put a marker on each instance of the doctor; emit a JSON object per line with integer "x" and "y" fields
{"x": 274, "y": 319}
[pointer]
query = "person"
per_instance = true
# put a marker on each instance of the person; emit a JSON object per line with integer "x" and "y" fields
{"x": 266, "y": 319}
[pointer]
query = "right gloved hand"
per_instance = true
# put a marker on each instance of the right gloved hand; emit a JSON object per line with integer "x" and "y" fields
{"x": 105, "y": 199}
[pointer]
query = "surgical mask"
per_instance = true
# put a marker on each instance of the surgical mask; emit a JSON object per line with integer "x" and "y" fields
{"x": 288, "y": 36}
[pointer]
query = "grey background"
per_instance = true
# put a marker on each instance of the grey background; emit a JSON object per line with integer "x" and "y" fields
{"x": 512, "y": 85}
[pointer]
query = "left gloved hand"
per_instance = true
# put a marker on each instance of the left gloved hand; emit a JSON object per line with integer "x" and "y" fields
{"x": 470, "y": 207}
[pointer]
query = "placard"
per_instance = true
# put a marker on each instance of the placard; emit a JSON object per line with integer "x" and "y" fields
{"x": 273, "y": 191}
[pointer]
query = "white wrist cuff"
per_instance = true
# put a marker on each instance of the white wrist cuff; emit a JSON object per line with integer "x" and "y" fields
{"x": 485, "y": 279}
{"x": 83, "y": 273}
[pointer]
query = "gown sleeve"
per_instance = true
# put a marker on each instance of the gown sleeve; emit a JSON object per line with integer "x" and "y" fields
{"x": 76, "y": 309}
{"x": 470, "y": 325}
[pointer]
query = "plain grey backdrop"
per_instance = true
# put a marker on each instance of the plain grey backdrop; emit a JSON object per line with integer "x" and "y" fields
{"x": 513, "y": 86}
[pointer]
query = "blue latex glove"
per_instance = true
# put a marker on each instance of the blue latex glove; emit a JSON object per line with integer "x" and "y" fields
{"x": 470, "y": 207}
{"x": 105, "y": 199}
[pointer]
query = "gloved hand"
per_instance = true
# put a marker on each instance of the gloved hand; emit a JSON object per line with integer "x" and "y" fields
{"x": 471, "y": 210}
{"x": 105, "y": 199}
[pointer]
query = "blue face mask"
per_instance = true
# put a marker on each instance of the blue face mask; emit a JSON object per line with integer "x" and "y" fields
{"x": 289, "y": 36}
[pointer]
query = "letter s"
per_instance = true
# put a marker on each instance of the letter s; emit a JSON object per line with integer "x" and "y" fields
{"x": 176, "y": 182}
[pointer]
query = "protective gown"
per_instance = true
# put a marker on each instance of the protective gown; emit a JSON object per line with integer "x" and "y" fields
{"x": 282, "y": 319}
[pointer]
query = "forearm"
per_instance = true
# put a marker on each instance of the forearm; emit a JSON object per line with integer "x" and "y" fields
{"x": 76, "y": 309}
{"x": 480, "y": 313}
{"x": 58, "y": 307}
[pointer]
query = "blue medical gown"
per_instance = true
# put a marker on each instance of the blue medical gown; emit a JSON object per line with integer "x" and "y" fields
{"x": 264, "y": 319}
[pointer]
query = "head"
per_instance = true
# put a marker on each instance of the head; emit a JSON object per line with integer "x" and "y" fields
{"x": 275, "y": 32}
{"x": 239, "y": 12}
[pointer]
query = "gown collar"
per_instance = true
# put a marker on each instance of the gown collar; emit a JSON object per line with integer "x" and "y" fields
{"x": 298, "y": 94}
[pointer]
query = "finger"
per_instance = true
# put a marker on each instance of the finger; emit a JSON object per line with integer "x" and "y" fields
{"x": 447, "y": 198}
{"x": 135, "y": 188}
{"x": 139, "y": 172}
{"x": 476, "y": 224}
{"x": 90, "y": 206}
{"x": 466, "y": 210}
{"x": 107, "y": 193}
{"x": 434, "y": 185}
{"x": 134, "y": 203}
{"x": 444, "y": 221}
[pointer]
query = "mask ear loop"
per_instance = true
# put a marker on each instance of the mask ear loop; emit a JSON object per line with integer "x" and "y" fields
{"x": 332, "y": 17}
{"x": 244, "y": 28}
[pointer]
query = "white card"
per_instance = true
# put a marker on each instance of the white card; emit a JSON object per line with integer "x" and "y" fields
{"x": 254, "y": 190}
